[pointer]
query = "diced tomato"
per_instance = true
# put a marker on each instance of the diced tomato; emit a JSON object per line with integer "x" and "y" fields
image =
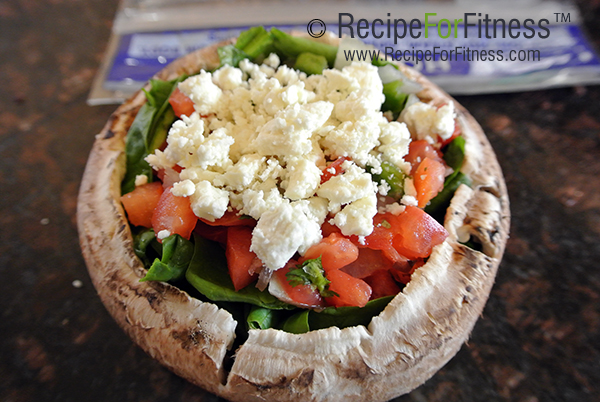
{"x": 181, "y": 103}
{"x": 456, "y": 133}
{"x": 334, "y": 169}
{"x": 418, "y": 151}
{"x": 382, "y": 283}
{"x": 327, "y": 228}
{"x": 231, "y": 218}
{"x": 368, "y": 261}
{"x": 335, "y": 251}
{"x": 240, "y": 259}
{"x": 174, "y": 214}
{"x": 429, "y": 180}
{"x": 381, "y": 238}
{"x": 404, "y": 275}
{"x": 169, "y": 176}
{"x": 416, "y": 233}
{"x": 214, "y": 233}
{"x": 141, "y": 202}
{"x": 299, "y": 295}
{"x": 352, "y": 291}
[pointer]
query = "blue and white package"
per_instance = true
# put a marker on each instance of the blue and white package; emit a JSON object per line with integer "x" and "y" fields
{"x": 455, "y": 53}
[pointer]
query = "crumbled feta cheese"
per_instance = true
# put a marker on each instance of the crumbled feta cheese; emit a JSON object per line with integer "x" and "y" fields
{"x": 304, "y": 178}
{"x": 227, "y": 77}
{"x": 409, "y": 187}
{"x": 259, "y": 141}
{"x": 141, "y": 179}
{"x": 347, "y": 187}
{"x": 424, "y": 120}
{"x": 244, "y": 172}
{"x": 209, "y": 202}
{"x": 272, "y": 61}
{"x": 282, "y": 232}
{"x": 290, "y": 132}
{"x": 356, "y": 218}
{"x": 183, "y": 188}
{"x": 393, "y": 208}
{"x": 163, "y": 234}
{"x": 201, "y": 89}
{"x": 409, "y": 200}
{"x": 383, "y": 188}
{"x": 394, "y": 139}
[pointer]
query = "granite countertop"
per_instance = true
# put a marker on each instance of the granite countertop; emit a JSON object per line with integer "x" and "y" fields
{"x": 538, "y": 339}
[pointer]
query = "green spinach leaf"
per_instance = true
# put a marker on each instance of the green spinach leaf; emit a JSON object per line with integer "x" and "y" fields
{"x": 341, "y": 317}
{"x": 209, "y": 275}
{"x": 176, "y": 256}
{"x": 261, "y": 318}
{"x": 148, "y": 131}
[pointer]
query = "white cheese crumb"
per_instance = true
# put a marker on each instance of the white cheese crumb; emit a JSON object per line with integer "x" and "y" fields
{"x": 183, "y": 188}
{"x": 409, "y": 200}
{"x": 424, "y": 119}
{"x": 409, "y": 187}
{"x": 141, "y": 179}
{"x": 209, "y": 202}
{"x": 163, "y": 234}
{"x": 356, "y": 218}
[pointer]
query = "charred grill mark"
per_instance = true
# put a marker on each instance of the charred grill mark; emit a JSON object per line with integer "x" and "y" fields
{"x": 190, "y": 338}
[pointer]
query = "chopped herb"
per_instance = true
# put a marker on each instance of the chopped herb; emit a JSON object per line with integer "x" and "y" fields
{"x": 311, "y": 273}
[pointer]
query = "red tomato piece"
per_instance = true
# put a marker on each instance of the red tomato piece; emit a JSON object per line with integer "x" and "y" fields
{"x": 231, "y": 218}
{"x": 174, "y": 214}
{"x": 352, "y": 291}
{"x": 240, "y": 259}
{"x": 429, "y": 180}
{"x": 335, "y": 251}
{"x": 404, "y": 275}
{"x": 328, "y": 228}
{"x": 417, "y": 233}
{"x": 299, "y": 295}
{"x": 368, "y": 262}
{"x": 141, "y": 202}
{"x": 181, "y": 103}
{"x": 334, "y": 169}
{"x": 382, "y": 283}
{"x": 381, "y": 238}
{"x": 214, "y": 233}
{"x": 456, "y": 133}
{"x": 418, "y": 151}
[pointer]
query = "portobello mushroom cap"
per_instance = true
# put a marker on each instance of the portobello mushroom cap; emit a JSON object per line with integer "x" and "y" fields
{"x": 420, "y": 330}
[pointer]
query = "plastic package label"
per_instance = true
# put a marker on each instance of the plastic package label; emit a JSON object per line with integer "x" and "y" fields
{"x": 556, "y": 54}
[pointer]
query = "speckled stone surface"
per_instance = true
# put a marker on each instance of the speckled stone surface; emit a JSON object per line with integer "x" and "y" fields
{"x": 538, "y": 339}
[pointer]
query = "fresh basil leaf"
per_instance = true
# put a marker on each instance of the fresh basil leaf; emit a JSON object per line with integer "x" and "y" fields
{"x": 208, "y": 273}
{"x": 261, "y": 318}
{"x": 311, "y": 273}
{"x": 148, "y": 131}
{"x": 176, "y": 256}
{"x": 298, "y": 323}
